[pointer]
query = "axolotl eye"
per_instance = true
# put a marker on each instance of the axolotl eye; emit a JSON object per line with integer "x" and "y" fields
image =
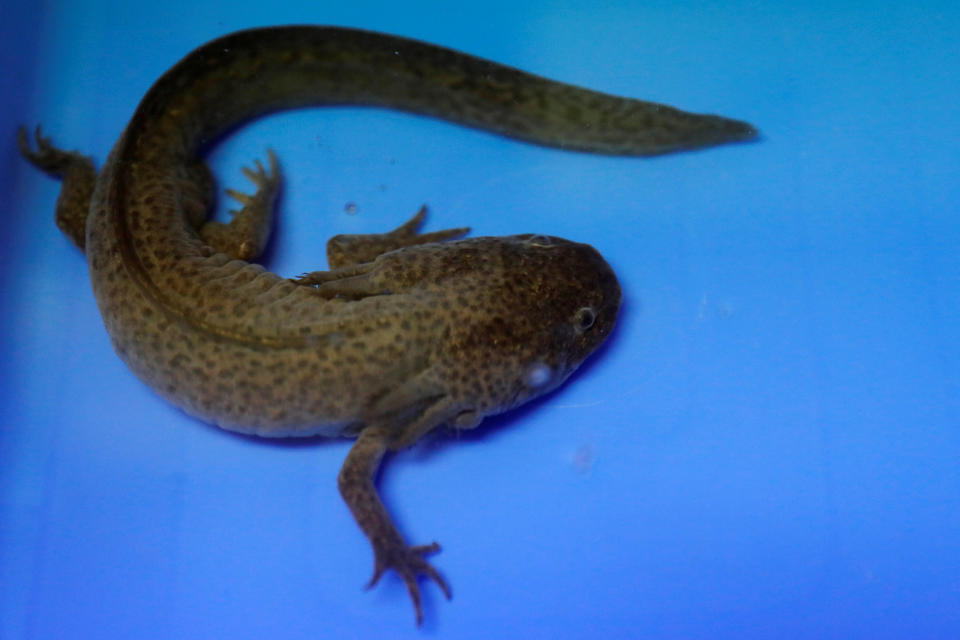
{"x": 584, "y": 318}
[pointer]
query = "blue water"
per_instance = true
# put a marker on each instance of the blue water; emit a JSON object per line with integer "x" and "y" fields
{"x": 768, "y": 448}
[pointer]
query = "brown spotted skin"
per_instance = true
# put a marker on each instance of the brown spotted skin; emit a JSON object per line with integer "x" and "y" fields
{"x": 406, "y": 333}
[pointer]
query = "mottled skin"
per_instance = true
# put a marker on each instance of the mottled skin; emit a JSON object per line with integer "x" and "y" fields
{"x": 406, "y": 332}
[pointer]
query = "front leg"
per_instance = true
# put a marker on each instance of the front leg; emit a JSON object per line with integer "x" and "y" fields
{"x": 390, "y": 550}
{"x": 351, "y": 256}
{"x": 345, "y": 250}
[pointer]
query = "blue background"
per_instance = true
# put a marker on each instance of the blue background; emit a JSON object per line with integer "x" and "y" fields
{"x": 768, "y": 448}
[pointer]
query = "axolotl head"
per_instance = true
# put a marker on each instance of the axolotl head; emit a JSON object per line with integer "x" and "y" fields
{"x": 520, "y": 314}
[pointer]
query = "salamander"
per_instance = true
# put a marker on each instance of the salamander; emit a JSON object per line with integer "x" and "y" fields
{"x": 406, "y": 331}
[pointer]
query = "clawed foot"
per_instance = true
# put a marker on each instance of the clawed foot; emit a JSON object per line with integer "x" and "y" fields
{"x": 409, "y": 563}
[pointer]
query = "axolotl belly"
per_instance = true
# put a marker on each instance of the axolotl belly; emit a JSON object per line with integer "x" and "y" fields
{"x": 407, "y": 331}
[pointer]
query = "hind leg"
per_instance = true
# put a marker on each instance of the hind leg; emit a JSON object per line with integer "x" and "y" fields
{"x": 246, "y": 235}
{"x": 78, "y": 176}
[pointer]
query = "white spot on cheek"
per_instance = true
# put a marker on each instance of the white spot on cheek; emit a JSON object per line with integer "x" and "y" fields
{"x": 537, "y": 375}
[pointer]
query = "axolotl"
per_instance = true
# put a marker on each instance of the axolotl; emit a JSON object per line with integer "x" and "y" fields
{"x": 406, "y": 331}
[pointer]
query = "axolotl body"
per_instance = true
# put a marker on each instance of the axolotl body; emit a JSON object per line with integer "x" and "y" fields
{"x": 407, "y": 331}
